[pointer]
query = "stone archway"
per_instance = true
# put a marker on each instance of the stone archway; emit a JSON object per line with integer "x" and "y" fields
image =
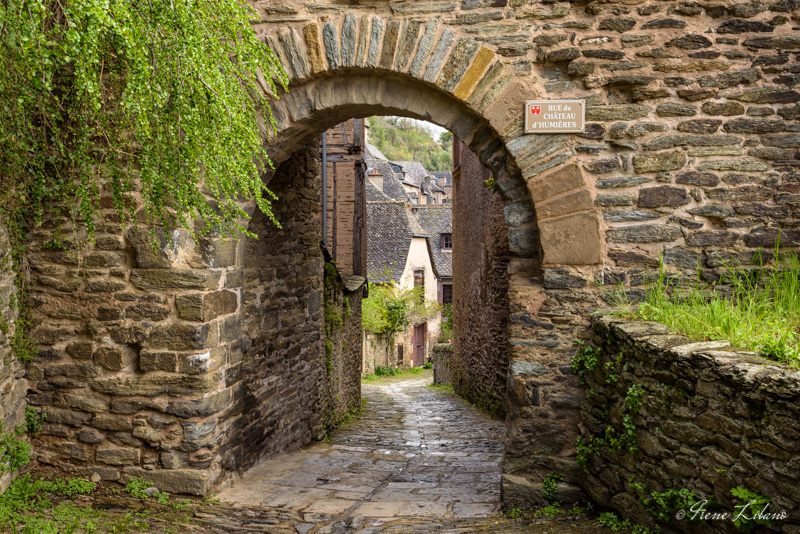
{"x": 554, "y": 225}
{"x": 138, "y": 367}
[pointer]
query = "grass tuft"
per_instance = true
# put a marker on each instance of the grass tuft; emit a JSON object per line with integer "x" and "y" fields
{"x": 755, "y": 308}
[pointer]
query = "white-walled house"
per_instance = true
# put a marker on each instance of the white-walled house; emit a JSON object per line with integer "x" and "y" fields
{"x": 400, "y": 251}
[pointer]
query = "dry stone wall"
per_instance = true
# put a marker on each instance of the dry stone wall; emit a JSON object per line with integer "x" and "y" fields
{"x": 713, "y": 418}
{"x": 197, "y": 359}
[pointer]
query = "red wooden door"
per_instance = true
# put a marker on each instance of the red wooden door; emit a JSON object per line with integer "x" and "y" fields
{"x": 418, "y": 357}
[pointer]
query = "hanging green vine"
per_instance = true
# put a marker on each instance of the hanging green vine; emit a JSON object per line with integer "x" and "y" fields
{"x": 154, "y": 104}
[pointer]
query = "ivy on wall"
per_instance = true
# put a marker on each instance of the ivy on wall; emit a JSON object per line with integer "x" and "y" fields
{"x": 155, "y": 103}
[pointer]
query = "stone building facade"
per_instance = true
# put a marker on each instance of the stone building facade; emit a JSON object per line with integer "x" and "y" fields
{"x": 690, "y": 151}
{"x": 480, "y": 286}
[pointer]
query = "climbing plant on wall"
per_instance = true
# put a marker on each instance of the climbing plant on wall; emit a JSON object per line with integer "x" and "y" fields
{"x": 155, "y": 103}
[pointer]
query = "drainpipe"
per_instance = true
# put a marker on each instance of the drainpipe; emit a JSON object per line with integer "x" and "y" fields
{"x": 325, "y": 189}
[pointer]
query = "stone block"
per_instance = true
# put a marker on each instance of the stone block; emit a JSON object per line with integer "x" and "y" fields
{"x": 665, "y": 195}
{"x": 117, "y": 455}
{"x": 205, "y": 307}
{"x": 571, "y": 240}
{"x": 112, "y": 358}
{"x": 184, "y": 336}
{"x": 566, "y": 178}
{"x": 662, "y": 161}
{"x": 158, "y": 361}
{"x": 574, "y": 202}
{"x": 182, "y": 481}
{"x": 168, "y": 279}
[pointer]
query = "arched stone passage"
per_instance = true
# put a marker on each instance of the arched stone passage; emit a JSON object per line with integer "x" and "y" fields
{"x": 690, "y": 151}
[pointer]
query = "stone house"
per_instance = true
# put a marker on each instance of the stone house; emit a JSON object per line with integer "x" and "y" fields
{"x": 399, "y": 250}
{"x": 437, "y": 221}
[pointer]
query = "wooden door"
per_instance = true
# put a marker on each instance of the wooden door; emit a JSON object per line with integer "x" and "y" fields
{"x": 418, "y": 357}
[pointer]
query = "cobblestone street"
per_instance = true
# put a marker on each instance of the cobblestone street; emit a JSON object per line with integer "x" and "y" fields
{"x": 416, "y": 460}
{"x": 414, "y": 452}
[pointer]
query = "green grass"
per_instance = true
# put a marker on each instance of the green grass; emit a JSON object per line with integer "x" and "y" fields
{"x": 754, "y": 308}
{"x": 384, "y": 373}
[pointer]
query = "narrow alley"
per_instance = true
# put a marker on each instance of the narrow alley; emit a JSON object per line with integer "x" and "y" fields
{"x": 413, "y": 452}
{"x": 417, "y": 459}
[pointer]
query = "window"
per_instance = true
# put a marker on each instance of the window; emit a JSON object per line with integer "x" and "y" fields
{"x": 447, "y": 241}
{"x": 419, "y": 282}
{"x": 447, "y": 293}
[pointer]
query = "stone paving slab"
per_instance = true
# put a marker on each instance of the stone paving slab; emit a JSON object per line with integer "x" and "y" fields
{"x": 413, "y": 452}
{"x": 416, "y": 460}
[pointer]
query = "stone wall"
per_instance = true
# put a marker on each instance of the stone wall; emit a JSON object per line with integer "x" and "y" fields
{"x": 13, "y": 385}
{"x": 442, "y": 358}
{"x": 690, "y": 148}
{"x": 712, "y": 418}
{"x": 480, "y": 286}
{"x": 200, "y": 358}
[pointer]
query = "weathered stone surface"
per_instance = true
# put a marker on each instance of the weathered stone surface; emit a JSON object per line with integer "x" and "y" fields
{"x": 619, "y": 199}
{"x": 783, "y": 42}
{"x": 562, "y": 55}
{"x": 672, "y": 109}
{"x": 662, "y": 161}
{"x": 744, "y": 193}
{"x": 707, "y": 126}
{"x": 616, "y": 112}
{"x": 645, "y": 233}
{"x": 768, "y": 95}
{"x": 166, "y": 279}
{"x": 622, "y": 181}
{"x": 782, "y": 141}
{"x": 665, "y": 195}
{"x": 117, "y": 455}
{"x": 439, "y": 54}
{"x": 620, "y": 25}
{"x": 180, "y": 481}
{"x": 718, "y": 211}
{"x": 670, "y": 141}
{"x": 690, "y": 42}
{"x": 726, "y": 109}
{"x": 204, "y": 307}
{"x": 664, "y": 23}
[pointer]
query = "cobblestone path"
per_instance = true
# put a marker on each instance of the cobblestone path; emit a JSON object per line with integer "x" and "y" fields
{"x": 416, "y": 460}
{"x": 414, "y": 452}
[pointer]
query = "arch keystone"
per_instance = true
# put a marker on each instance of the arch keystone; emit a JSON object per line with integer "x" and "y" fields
{"x": 473, "y": 73}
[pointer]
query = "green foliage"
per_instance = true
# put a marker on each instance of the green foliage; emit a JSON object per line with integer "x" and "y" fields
{"x": 515, "y": 512}
{"x": 748, "y": 520}
{"x": 427, "y": 365}
{"x": 96, "y": 94}
{"x": 550, "y": 485}
{"x": 33, "y": 421}
{"x": 585, "y": 360}
{"x": 612, "y": 521}
{"x": 14, "y": 451}
{"x": 136, "y": 488}
{"x": 664, "y": 505}
{"x": 381, "y": 370}
{"x": 403, "y": 139}
{"x": 22, "y": 504}
{"x": 753, "y": 308}
{"x": 446, "y": 327}
{"x": 390, "y": 309}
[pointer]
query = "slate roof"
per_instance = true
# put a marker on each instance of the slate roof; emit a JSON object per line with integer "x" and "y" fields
{"x": 374, "y": 194}
{"x": 372, "y": 152}
{"x": 435, "y": 220}
{"x": 392, "y": 185}
{"x": 447, "y": 175}
{"x": 413, "y": 172}
{"x": 390, "y": 228}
